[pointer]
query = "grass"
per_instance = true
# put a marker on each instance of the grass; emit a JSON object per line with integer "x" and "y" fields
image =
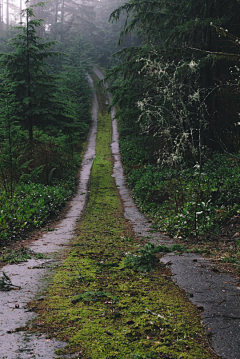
{"x": 105, "y": 309}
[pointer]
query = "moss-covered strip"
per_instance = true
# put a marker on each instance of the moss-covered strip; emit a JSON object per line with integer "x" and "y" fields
{"x": 105, "y": 310}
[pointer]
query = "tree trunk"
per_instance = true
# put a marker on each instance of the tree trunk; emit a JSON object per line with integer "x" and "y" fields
{"x": 7, "y": 12}
{"x": 56, "y": 10}
{"x": 62, "y": 19}
{"x": 0, "y": 14}
{"x": 20, "y": 10}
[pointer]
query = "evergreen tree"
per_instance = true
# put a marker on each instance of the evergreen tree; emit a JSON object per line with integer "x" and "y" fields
{"x": 35, "y": 88}
{"x": 10, "y": 136}
{"x": 173, "y": 80}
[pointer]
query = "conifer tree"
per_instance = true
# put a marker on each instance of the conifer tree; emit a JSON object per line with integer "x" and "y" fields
{"x": 35, "y": 88}
{"x": 10, "y": 134}
{"x": 180, "y": 35}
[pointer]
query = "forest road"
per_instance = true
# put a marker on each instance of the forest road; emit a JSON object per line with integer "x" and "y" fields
{"x": 216, "y": 294}
{"x": 33, "y": 276}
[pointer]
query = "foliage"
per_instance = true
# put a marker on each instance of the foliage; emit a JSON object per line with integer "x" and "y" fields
{"x": 31, "y": 206}
{"x": 145, "y": 259}
{"x": 11, "y": 164}
{"x": 145, "y": 262}
{"x": 177, "y": 99}
{"x": 19, "y": 255}
{"x": 194, "y": 201}
{"x": 33, "y": 87}
{"x": 171, "y": 86}
{"x": 16, "y": 256}
{"x": 230, "y": 260}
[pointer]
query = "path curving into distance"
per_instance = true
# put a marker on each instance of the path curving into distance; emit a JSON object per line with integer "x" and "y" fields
{"x": 33, "y": 276}
{"x": 217, "y": 295}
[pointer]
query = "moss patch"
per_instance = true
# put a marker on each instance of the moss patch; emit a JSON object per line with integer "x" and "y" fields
{"x": 101, "y": 307}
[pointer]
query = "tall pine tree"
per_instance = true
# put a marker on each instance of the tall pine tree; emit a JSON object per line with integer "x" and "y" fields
{"x": 35, "y": 88}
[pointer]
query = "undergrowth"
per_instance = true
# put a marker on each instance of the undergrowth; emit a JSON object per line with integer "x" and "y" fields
{"x": 102, "y": 306}
{"x": 31, "y": 206}
{"x": 186, "y": 202}
{"x": 18, "y": 255}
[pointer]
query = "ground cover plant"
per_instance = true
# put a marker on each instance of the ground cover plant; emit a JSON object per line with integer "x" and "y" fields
{"x": 106, "y": 306}
{"x": 18, "y": 255}
{"x": 192, "y": 202}
{"x": 30, "y": 207}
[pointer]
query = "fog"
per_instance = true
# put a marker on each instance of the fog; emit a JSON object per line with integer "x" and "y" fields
{"x": 10, "y": 10}
{"x": 68, "y": 21}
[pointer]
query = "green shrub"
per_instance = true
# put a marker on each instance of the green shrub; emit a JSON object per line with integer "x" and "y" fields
{"x": 31, "y": 206}
{"x": 145, "y": 262}
{"x": 190, "y": 202}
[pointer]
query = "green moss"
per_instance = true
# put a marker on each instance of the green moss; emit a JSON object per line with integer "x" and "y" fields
{"x": 104, "y": 309}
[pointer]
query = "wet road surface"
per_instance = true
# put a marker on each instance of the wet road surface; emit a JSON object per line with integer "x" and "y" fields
{"x": 215, "y": 295}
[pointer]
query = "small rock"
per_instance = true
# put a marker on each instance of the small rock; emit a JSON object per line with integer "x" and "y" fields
{"x": 17, "y": 305}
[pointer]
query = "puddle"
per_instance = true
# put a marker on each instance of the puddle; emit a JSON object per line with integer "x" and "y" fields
{"x": 33, "y": 276}
{"x": 214, "y": 293}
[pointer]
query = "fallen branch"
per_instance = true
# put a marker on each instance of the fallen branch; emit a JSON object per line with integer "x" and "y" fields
{"x": 6, "y": 283}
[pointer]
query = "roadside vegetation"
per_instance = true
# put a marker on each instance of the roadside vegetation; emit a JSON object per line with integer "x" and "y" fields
{"x": 194, "y": 202}
{"x": 199, "y": 207}
{"x": 44, "y": 120}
